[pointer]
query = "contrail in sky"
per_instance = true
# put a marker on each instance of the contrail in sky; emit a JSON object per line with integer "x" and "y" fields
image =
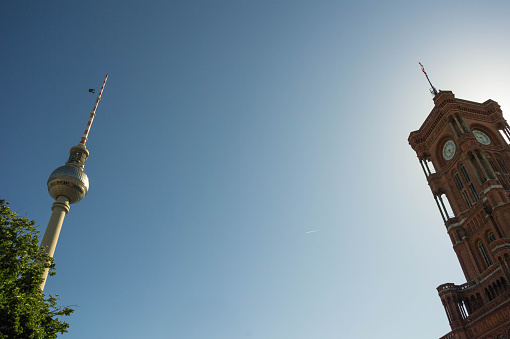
{"x": 311, "y": 231}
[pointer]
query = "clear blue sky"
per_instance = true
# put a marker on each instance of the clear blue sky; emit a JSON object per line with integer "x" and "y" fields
{"x": 229, "y": 129}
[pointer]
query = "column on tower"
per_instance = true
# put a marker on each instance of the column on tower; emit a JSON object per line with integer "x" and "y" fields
{"x": 453, "y": 128}
{"x": 464, "y": 124}
{"x": 439, "y": 207}
{"x": 453, "y": 307}
{"x": 448, "y": 315}
{"x": 506, "y": 131}
{"x": 423, "y": 167}
{"x": 445, "y": 212}
{"x": 461, "y": 306}
{"x": 458, "y": 124}
{"x": 443, "y": 205}
{"x": 426, "y": 163}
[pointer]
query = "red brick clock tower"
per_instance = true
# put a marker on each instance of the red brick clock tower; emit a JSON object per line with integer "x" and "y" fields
{"x": 463, "y": 149}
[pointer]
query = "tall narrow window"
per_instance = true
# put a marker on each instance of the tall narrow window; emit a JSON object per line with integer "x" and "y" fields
{"x": 445, "y": 305}
{"x": 429, "y": 165}
{"x": 484, "y": 253}
{"x": 504, "y": 134}
{"x": 478, "y": 167}
{"x": 445, "y": 202}
{"x": 497, "y": 172}
{"x": 491, "y": 237}
{"x": 462, "y": 189}
{"x": 501, "y": 164}
{"x": 444, "y": 206}
{"x": 469, "y": 183}
{"x": 462, "y": 309}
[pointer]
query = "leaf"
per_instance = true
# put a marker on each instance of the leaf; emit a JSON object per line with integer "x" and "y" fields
{"x": 25, "y": 312}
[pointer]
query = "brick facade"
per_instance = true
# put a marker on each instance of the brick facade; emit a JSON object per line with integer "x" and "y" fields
{"x": 463, "y": 149}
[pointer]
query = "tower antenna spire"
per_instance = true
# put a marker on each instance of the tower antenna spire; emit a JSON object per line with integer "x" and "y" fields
{"x": 93, "y": 114}
{"x": 433, "y": 90}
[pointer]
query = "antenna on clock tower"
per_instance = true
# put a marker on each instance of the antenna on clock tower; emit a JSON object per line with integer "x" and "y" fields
{"x": 433, "y": 90}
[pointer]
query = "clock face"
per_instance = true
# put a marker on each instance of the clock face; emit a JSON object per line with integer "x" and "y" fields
{"x": 449, "y": 149}
{"x": 482, "y": 137}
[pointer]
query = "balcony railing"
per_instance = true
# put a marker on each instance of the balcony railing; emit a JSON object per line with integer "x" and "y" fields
{"x": 479, "y": 313}
{"x": 496, "y": 302}
{"x": 448, "y": 336}
{"x": 456, "y": 288}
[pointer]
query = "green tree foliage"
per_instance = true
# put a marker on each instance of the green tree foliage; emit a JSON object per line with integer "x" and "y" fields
{"x": 25, "y": 312}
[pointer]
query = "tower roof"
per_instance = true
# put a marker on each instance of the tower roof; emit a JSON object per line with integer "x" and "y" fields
{"x": 446, "y": 104}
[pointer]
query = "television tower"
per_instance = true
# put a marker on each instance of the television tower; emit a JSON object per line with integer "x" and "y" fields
{"x": 67, "y": 184}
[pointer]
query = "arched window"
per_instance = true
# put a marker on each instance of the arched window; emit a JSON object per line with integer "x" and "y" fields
{"x": 447, "y": 310}
{"x": 462, "y": 189}
{"x": 501, "y": 164}
{"x": 497, "y": 172}
{"x": 427, "y": 165}
{"x": 469, "y": 183}
{"x": 484, "y": 253}
{"x": 488, "y": 294}
{"x": 443, "y": 203}
{"x": 491, "y": 237}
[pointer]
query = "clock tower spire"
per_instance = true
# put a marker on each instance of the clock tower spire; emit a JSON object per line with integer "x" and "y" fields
{"x": 433, "y": 90}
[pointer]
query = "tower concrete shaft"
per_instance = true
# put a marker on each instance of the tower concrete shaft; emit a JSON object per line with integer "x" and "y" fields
{"x": 60, "y": 208}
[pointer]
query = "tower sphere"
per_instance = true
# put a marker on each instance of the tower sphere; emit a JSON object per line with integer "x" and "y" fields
{"x": 70, "y": 182}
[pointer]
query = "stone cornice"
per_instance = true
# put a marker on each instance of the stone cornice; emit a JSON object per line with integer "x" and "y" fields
{"x": 446, "y": 104}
